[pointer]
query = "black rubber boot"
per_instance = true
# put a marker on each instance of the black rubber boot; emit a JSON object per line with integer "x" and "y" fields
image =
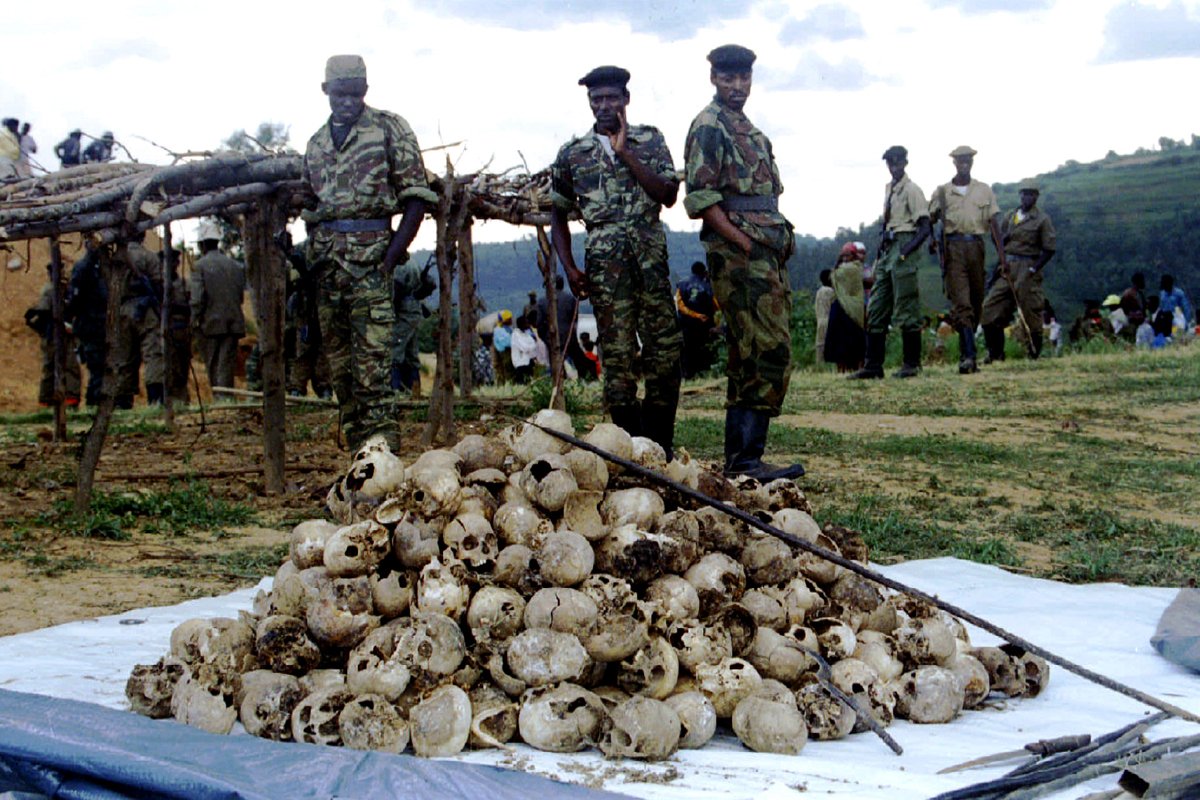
{"x": 397, "y": 379}
{"x": 658, "y": 422}
{"x": 993, "y": 337}
{"x": 751, "y": 431}
{"x": 627, "y": 417}
{"x": 123, "y": 401}
{"x": 966, "y": 349}
{"x": 1035, "y": 346}
{"x": 154, "y": 394}
{"x": 873, "y": 368}
{"x": 912, "y": 355}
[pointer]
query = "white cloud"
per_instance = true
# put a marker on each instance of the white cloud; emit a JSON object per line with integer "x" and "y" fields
{"x": 831, "y": 21}
{"x": 1134, "y": 32}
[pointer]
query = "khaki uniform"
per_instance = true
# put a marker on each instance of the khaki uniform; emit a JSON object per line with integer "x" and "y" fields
{"x": 1024, "y": 240}
{"x": 139, "y": 333}
{"x": 361, "y": 184}
{"x": 217, "y": 286}
{"x": 895, "y": 298}
{"x": 967, "y": 219}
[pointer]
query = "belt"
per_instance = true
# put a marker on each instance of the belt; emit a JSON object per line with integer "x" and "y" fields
{"x": 963, "y": 237}
{"x": 356, "y": 225}
{"x": 750, "y": 202}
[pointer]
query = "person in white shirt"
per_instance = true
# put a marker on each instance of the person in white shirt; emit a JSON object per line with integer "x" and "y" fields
{"x": 524, "y": 349}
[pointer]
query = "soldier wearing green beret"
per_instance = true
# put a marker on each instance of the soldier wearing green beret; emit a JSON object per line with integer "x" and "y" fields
{"x": 1029, "y": 243}
{"x": 733, "y": 185}
{"x": 360, "y": 169}
{"x": 619, "y": 176}
{"x": 968, "y": 211}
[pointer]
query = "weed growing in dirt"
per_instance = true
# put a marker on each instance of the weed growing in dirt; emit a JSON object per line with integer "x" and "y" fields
{"x": 184, "y": 508}
{"x": 249, "y": 563}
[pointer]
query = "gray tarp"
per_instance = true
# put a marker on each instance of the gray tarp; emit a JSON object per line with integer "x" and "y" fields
{"x": 80, "y": 751}
{"x": 1178, "y": 634}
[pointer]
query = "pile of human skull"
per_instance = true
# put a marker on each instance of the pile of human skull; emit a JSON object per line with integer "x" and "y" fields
{"x": 515, "y": 587}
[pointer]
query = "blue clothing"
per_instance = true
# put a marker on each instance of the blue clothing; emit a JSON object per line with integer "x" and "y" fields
{"x": 501, "y": 338}
{"x": 1168, "y": 301}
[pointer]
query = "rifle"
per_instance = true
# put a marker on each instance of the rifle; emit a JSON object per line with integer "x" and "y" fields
{"x": 427, "y": 284}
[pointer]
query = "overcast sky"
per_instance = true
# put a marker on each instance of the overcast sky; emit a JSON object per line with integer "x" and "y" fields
{"x": 1029, "y": 83}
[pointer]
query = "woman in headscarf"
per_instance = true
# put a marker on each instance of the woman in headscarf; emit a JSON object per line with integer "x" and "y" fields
{"x": 845, "y": 341}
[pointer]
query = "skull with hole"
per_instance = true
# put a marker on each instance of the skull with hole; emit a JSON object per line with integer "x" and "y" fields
{"x": 683, "y": 529}
{"x": 775, "y": 691}
{"x": 736, "y": 619}
{"x": 676, "y": 597}
{"x": 611, "y": 696}
{"x": 684, "y": 469}
{"x": 547, "y": 480}
{"x": 562, "y": 609}
{"x": 1003, "y": 673}
{"x": 283, "y": 645}
{"x": 766, "y": 726}
{"x": 784, "y": 493}
{"x": 929, "y": 694}
{"x": 415, "y": 542}
{"x": 635, "y": 506}
{"x": 306, "y": 543}
{"x": 375, "y": 472}
{"x": 541, "y": 656}
{"x": 357, "y": 549}
{"x": 856, "y": 597}
{"x": 641, "y": 728}
{"x": 341, "y": 615}
{"x": 443, "y": 588}
{"x": 478, "y": 499}
{"x": 726, "y": 683}
{"x": 150, "y": 687}
{"x": 1032, "y": 670}
{"x": 804, "y": 637}
{"x": 634, "y": 554}
{"x": 268, "y": 699}
{"x": 855, "y": 678}
{"x": 827, "y": 717}
{"x": 697, "y": 643}
{"x": 470, "y": 539}
{"x": 565, "y": 558}
{"x": 802, "y": 600}
{"x": 618, "y": 636}
{"x": 767, "y": 561}
{"x": 778, "y": 657}
{"x": 611, "y": 594}
{"x": 878, "y": 651}
{"x": 766, "y": 607}
{"x": 974, "y": 679}
{"x": 370, "y": 722}
{"x": 697, "y": 718}
{"x": 480, "y": 452}
{"x": 527, "y": 442}
{"x": 923, "y": 642}
{"x": 320, "y": 679}
{"x": 441, "y": 723}
{"x": 718, "y": 531}
{"x": 494, "y": 716}
{"x": 315, "y": 717}
{"x": 496, "y": 614}
{"x": 375, "y": 666}
{"x": 884, "y": 618}
{"x": 204, "y": 697}
{"x": 589, "y": 469}
{"x": 521, "y": 524}
{"x": 517, "y": 568}
{"x": 561, "y": 719}
{"x": 581, "y": 514}
{"x": 612, "y": 439}
{"x": 652, "y": 671}
{"x": 718, "y": 579}
{"x": 434, "y": 491}
{"x": 430, "y": 645}
{"x": 837, "y": 639}
{"x": 649, "y": 454}
{"x": 816, "y": 568}
{"x": 749, "y": 494}
{"x": 391, "y": 592}
{"x": 220, "y": 641}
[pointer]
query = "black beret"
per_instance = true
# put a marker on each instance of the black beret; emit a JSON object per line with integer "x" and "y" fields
{"x": 606, "y": 76}
{"x": 732, "y": 56}
{"x": 895, "y": 153}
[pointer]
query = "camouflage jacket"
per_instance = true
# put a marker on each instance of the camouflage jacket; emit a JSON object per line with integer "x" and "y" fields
{"x": 371, "y": 176}
{"x": 726, "y": 155}
{"x": 611, "y": 201}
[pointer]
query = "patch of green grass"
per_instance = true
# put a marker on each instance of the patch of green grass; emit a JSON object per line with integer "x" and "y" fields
{"x": 48, "y": 567}
{"x": 248, "y": 563}
{"x": 183, "y": 508}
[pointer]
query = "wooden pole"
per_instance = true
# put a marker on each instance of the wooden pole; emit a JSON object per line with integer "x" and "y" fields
{"x": 114, "y": 267}
{"x": 466, "y": 310}
{"x": 168, "y": 346}
{"x": 262, "y": 227}
{"x": 441, "y": 400}
{"x": 546, "y": 264}
{"x": 57, "y": 340}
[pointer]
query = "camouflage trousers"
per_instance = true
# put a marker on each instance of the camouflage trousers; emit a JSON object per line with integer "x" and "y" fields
{"x": 71, "y": 376}
{"x": 964, "y": 280}
{"x": 138, "y": 342}
{"x": 895, "y": 299}
{"x": 1025, "y": 293}
{"x": 631, "y": 296}
{"x": 755, "y": 297}
{"x": 357, "y": 322}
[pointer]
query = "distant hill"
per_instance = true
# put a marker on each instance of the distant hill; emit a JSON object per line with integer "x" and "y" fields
{"x": 1113, "y": 216}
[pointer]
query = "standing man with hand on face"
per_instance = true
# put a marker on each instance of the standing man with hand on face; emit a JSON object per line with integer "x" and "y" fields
{"x": 1029, "y": 242}
{"x": 734, "y": 186}
{"x": 968, "y": 210}
{"x": 361, "y": 168}
{"x": 895, "y": 297}
{"x": 619, "y": 176}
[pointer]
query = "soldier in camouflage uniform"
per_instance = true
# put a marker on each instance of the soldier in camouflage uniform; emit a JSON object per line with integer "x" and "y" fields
{"x": 733, "y": 185}
{"x": 1029, "y": 243}
{"x": 619, "y": 176}
{"x": 360, "y": 169}
{"x": 139, "y": 334}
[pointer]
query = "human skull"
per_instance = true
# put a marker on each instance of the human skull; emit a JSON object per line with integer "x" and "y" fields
{"x": 375, "y": 472}
{"x": 562, "y": 609}
{"x": 415, "y": 542}
{"x": 641, "y": 728}
{"x": 589, "y": 469}
{"x": 718, "y": 531}
{"x": 340, "y": 616}
{"x": 697, "y": 718}
{"x": 470, "y": 539}
{"x": 612, "y": 595}
{"x": 929, "y": 694}
{"x": 856, "y": 678}
{"x": 973, "y": 677}
{"x": 565, "y": 558}
{"x": 802, "y": 600}
{"x": 283, "y": 645}
{"x": 816, "y": 567}
{"x": 494, "y": 716}
{"x": 442, "y": 588}
{"x": 836, "y": 638}
{"x": 652, "y": 671}
{"x": 797, "y": 523}
{"x": 636, "y": 506}
{"x": 306, "y": 544}
{"x": 923, "y": 642}
{"x": 826, "y": 716}
{"x": 581, "y": 514}
{"x": 541, "y": 656}
{"x": 684, "y": 469}
{"x": 375, "y": 667}
{"x": 765, "y": 605}
{"x": 767, "y": 561}
{"x": 203, "y": 698}
{"x": 649, "y": 454}
{"x": 268, "y": 699}
{"x": 783, "y": 493}
{"x": 676, "y": 597}
{"x": 634, "y": 554}
{"x": 391, "y": 592}
{"x": 878, "y": 650}
{"x": 441, "y": 723}
{"x": 1031, "y": 669}
{"x": 778, "y": 657}
{"x": 562, "y": 719}
{"x": 698, "y": 643}
{"x": 434, "y": 491}
{"x": 528, "y": 442}
{"x": 496, "y": 614}
{"x": 766, "y": 726}
{"x": 356, "y": 549}
{"x": 220, "y": 641}
{"x": 547, "y": 481}
{"x": 429, "y": 643}
{"x": 517, "y": 568}
{"x": 718, "y": 579}
{"x": 611, "y": 439}
{"x": 521, "y": 524}
{"x": 150, "y": 686}
{"x": 617, "y": 636}
{"x": 370, "y": 722}
{"x": 478, "y": 499}
{"x": 726, "y": 683}
{"x": 320, "y": 679}
{"x": 480, "y": 452}
{"x": 1003, "y": 673}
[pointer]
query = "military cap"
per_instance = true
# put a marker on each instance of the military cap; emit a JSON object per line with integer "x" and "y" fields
{"x": 338, "y": 67}
{"x": 895, "y": 153}
{"x": 962, "y": 150}
{"x": 732, "y": 56}
{"x": 607, "y": 75}
{"x": 1029, "y": 185}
